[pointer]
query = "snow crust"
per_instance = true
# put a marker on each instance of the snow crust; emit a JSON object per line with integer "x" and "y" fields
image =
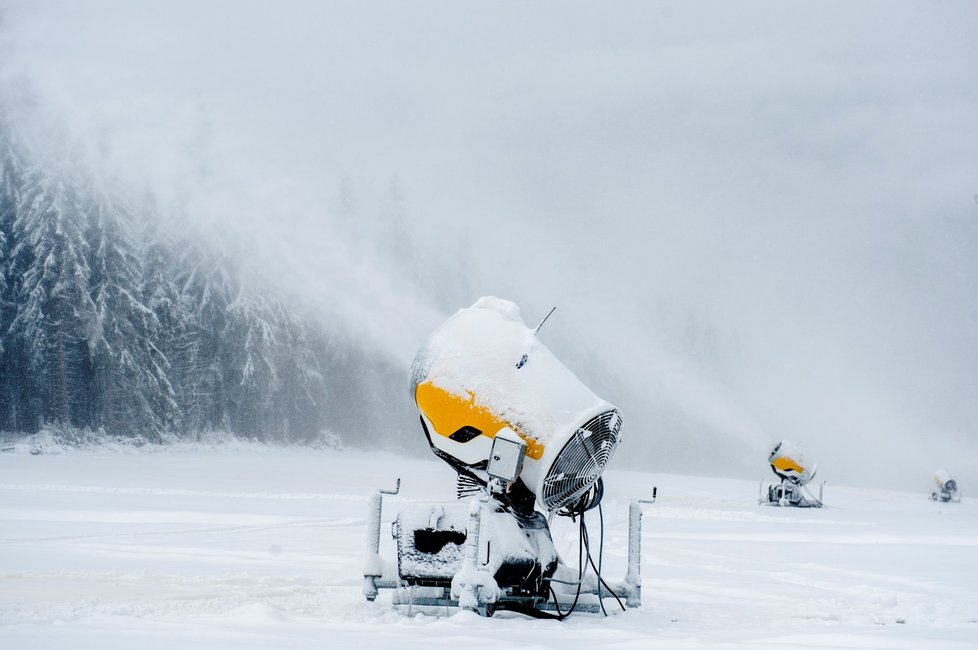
{"x": 476, "y": 352}
{"x": 442, "y": 517}
{"x": 263, "y": 548}
{"x": 508, "y": 542}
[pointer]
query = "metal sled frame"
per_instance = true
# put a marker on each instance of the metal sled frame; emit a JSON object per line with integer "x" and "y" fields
{"x": 943, "y": 496}
{"x": 380, "y": 574}
{"x": 812, "y": 502}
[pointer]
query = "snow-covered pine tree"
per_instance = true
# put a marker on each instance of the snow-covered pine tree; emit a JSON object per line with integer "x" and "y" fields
{"x": 4, "y": 300}
{"x": 13, "y": 386}
{"x": 55, "y": 321}
{"x": 299, "y": 405}
{"x": 205, "y": 287}
{"x": 11, "y": 171}
{"x": 176, "y": 334}
{"x": 134, "y": 391}
{"x": 249, "y": 343}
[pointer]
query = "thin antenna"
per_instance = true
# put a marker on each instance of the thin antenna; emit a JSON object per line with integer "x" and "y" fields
{"x": 543, "y": 321}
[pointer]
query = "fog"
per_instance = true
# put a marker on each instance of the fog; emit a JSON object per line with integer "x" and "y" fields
{"x": 757, "y": 222}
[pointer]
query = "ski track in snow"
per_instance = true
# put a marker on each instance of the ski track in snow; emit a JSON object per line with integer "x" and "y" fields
{"x": 264, "y": 550}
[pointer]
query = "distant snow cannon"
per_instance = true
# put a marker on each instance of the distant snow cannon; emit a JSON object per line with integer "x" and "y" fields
{"x": 528, "y": 441}
{"x": 946, "y": 488}
{"x": 789, "y": 465}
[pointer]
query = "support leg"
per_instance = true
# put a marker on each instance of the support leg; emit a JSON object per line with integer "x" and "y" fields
{"x": 633, "y": 578}
{"x": 373, "y": 566}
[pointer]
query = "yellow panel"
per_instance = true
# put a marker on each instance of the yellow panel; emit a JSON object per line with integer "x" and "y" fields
{"x": 786, "y": 464}
{"x": 449, "y": 412}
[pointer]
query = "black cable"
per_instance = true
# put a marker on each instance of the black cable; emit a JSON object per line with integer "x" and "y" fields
{"x": 590, "y": 499}
{"x": 587, "y": 545}
{"x": 587, "y": 501}
{"x": 601, "y": 580}
{"x": 580, "y": 574}
{"x": 601, "y": 558}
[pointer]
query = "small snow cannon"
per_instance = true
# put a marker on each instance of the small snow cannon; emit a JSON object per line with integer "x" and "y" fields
{"x": 946, "y": 488}
{"x": 788, "y": 464}
{"x": 528, "y": 442}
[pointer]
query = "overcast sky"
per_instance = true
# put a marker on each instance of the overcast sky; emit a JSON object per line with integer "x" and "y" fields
{"x": 761, "y": 219}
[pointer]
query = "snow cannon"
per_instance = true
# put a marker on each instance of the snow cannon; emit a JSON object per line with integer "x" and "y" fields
{"x": 789, "y": 465}
{"x": 528, "y": 441}
{"x": 946, "y": 488}
{"x": 484, "y": 372}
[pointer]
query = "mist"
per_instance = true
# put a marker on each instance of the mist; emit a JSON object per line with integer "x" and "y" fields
{"x": 756, "y": 222}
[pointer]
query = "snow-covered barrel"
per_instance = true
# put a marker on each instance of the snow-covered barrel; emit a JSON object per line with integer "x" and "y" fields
{"x": 788, "y": 463}
{"x": 484, "y": 370}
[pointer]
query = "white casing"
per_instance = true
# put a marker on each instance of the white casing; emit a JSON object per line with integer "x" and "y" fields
{"x": 487, "y": 352}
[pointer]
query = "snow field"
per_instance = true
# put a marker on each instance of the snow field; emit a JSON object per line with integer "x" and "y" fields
{"x": 262, "y": 547}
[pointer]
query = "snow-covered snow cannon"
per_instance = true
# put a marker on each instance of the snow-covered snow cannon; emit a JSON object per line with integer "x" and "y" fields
{"x": 789, "y": 465}
{"x": 528, "y": 441}
{"x": 945, "y": 488}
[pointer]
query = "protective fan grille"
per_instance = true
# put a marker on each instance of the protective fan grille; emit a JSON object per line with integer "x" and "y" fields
{"x": 580, "y": 463}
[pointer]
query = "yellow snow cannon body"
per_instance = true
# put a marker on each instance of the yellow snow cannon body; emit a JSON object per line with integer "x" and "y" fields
{"x": 789, "y": 465}
{"x": 483, "y": 373}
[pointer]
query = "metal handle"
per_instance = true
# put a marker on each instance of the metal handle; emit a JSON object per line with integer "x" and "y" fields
{"x": 396, "y": 489}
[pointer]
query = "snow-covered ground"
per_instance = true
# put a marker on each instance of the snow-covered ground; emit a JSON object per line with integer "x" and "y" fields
{"x": 258, "y": 547}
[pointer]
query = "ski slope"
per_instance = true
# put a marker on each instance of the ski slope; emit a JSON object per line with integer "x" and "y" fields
{"x": 255, "y": 547}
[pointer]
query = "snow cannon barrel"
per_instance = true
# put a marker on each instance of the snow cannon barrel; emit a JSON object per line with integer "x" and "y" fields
{"x": 789, "y": 464}
{"x": 484, "y": 371}
{"x": 944, "y": 481}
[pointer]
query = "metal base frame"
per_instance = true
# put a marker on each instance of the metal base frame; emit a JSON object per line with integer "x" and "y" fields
{"x": 466, "y": 592}
{"x": 807, "y": 499}
{"x": 943, "y": 496}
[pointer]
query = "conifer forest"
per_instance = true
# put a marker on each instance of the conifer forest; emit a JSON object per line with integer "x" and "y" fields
{"x": 113, "y": 324}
